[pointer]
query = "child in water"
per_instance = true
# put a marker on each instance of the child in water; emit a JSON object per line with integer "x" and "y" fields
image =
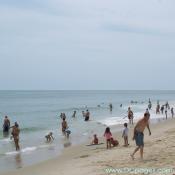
{"x": 49, "y": 137}
{"x": 108, "y": 137}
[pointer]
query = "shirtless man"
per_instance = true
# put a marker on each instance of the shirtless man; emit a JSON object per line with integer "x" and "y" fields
{"x": 6, "y": 125}
{"x": 15, "y": 134}
{"x": 139, "y": 136}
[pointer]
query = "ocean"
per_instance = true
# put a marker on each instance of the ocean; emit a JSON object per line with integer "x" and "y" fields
{"x": 38, "y": 113}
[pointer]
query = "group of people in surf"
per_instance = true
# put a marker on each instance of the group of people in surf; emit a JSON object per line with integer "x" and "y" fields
{"x": 164, "y": 109}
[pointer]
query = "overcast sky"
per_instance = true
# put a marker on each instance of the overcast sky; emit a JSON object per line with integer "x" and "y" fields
{"x": 87, "y": 44}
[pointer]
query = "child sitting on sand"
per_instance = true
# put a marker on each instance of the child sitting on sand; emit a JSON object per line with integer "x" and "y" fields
{"x": 125, "y": 134}
{"x": 49, "y": 137}
{"x": 95, "y": 140}
{"x": 114, "y": 143}
{"x": 108, "y": 137}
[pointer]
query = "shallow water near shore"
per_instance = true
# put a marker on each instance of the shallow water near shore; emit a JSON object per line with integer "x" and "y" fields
{"x": 37, "y": 113}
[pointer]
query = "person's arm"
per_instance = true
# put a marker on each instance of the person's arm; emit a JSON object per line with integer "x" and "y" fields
{"x": 149, "y": 129}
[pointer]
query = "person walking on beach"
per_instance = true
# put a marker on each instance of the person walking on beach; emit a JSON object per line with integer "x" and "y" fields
{"x": 6, "y": 125}
{"x": 130, "y": 116}
{"x": 125, "y": 134}
{"x": 15, "y": 135}
{"x": 138, "y": 135}
{"x": 172, "y": 112}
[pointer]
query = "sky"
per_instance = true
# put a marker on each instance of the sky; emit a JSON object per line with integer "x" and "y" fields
{"x": 87, "y": 44}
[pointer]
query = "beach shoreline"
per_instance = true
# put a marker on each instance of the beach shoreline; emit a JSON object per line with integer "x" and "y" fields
{"x": 93, "y": 157}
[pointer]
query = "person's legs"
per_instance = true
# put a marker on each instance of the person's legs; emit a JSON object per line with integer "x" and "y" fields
{"x": 132, "y": 155}
{"x": 17, "y": 144}
{"x": 141, "y": 152}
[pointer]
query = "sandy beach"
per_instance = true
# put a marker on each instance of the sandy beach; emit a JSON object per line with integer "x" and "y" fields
{"x": 159, "y": 156}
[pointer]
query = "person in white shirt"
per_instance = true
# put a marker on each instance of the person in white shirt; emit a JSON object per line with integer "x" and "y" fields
{"x": 125, "y": 134}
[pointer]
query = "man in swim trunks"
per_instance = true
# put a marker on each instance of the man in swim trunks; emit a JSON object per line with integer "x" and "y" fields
{"x": 6, "y": 125}
{"x": 138, "y": 134}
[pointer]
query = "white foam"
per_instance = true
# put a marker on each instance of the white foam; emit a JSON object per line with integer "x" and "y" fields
{"x": 110, "y": 121}
{"x": 12, "y": 153}
{"x": 25, "y": 150}
{"x": 28, "y": 149}
{"x": 6, "y": 140}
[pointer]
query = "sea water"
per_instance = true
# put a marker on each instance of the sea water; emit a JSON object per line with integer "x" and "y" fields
{"x": 38, "y": 113}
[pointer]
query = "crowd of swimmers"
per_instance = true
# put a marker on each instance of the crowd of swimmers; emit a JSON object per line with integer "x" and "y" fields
{"x": 138, "y": 135}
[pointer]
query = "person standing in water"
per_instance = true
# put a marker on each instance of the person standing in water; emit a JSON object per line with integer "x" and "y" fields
{"x": 149, "y": 104}
{"x": 158, "y": 108}
{"x": 6, "y": 125}
{"x": 110, "y": 107}
{"x": 172, "y": 112}
{"x": 15, "y": 135}
{"x": 87, "y": 115}
{"x": 74, "y": 114}
{"x": 166, "y": 113}
{"x": 130, "y": 116}
{"x": 64, "y": 126}
{"x": 138, "y": 135}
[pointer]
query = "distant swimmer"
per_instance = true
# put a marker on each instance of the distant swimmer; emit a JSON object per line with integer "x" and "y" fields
{"x": 15, "y": 135}
{"x": 6, "y": 125}
{"x": 49, "y": 137}
{"x": 87, "y": 115}
{"x": 121, "y": 105}
{"x": 74, "y": 114}
{"x": 172, "y": 112}
{"x": 110, "y": 107}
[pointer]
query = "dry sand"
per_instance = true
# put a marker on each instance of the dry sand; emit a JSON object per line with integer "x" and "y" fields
{"x": 159, "y": 152}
